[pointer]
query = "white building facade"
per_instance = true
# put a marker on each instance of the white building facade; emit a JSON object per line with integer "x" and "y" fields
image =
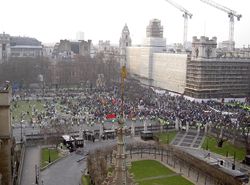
{"x": 153, "y": 66}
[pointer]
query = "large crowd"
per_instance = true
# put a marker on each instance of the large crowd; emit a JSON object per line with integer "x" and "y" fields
{"x": 142, "y": 103}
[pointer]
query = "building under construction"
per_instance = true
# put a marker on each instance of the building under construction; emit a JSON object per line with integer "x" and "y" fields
{"x": 206, "y": 72}
{"x": 209, "y": 76}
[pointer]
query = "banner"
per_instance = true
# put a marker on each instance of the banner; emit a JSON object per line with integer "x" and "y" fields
{"x": 110, "y": 116}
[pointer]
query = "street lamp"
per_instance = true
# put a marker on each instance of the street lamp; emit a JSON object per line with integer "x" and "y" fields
{"x": 207, "y": 144}
{"x": 49, "y": 155}
{"x": 167, "y": 123}
{"x": 36, "y": 173}
{"x": 21, "y": 131}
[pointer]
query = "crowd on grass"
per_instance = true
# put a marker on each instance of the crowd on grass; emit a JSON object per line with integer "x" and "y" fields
{"x": 139, "y": 103}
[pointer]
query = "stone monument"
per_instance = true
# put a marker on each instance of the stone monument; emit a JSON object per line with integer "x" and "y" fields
{"x": 120, "y": 175}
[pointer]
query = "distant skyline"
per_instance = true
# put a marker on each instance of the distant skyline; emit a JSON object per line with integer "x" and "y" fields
{"x": 52, "y": 20}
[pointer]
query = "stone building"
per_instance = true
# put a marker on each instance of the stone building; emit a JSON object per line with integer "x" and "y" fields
{"x": 125, "y": 41}
{"x": 120, "y": 175}
{"x": 104, "y": 46}
{"x": 70, "y": 49}
{"x": 6, "y": 149}
{"x": 209, "y": 76}
{"x": 64, "y": 46}
{"x": 85, "y": 48}
{"x": 5, "y": 51}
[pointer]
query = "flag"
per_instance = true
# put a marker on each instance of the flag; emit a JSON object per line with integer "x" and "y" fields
{"x": 110, "y": 116}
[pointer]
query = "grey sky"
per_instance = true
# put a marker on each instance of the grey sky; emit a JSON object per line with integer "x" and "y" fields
{"x": 52, "y": 20}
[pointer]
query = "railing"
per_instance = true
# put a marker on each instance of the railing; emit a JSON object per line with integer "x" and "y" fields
{"x": 193, "y": 168}
{"x": 138, "y": 129}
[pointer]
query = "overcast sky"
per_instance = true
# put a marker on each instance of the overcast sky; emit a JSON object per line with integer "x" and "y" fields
{"x": 52, "y": 20}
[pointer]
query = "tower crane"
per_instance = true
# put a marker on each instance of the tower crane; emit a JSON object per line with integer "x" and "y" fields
{"x": 231, "y": 15}
{"x": 186, "y": 14}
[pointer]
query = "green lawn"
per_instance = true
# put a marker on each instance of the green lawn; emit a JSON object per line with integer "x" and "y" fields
{"x": 45, "y": 156}
{"x": 227, "y": 147}
{"x": 165, "y": 136}
{"x": 85, "y": 180}
{"x": 152, "y": 169}
{"x": 24, "y": 107}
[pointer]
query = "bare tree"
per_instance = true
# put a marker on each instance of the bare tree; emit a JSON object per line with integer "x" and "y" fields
{"x": 223, "y": 130}
{"x": 244, "y": 127}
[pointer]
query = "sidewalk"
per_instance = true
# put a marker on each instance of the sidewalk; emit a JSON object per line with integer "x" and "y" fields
{"x": 31, "y": 160}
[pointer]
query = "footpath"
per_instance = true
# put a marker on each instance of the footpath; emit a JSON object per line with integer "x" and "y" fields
{"x": 31, "y": 166}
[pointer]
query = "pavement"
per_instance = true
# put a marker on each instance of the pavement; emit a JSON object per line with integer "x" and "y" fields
{"x": 31, "y": 159}
{"x": 188, "y": 139}
{"x": 216, "y": 158}
{"x": 67, "y": 171}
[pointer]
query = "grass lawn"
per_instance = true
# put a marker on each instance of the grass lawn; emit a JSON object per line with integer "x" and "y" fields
{"x": 163, "y": 137}
{"x": 227, "y": 147}
{"x": 146, "y": 169}
{"x": 85, "y": 180}
{"x": 24, "y": 107}
{"x": 45, "y": 156}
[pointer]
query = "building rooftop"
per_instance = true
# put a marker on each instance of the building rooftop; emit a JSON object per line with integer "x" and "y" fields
{"x": 27, "y": 47}
{"x": 27, "y": 41}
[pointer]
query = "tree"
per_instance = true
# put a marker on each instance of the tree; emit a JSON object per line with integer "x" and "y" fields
{"x": 244, "y": 127}
{"x": 223, "y": 130}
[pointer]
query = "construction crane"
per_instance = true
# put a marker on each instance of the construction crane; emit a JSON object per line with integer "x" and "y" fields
{"x": 186, "y": 14}
{"x": 231, "y": 15}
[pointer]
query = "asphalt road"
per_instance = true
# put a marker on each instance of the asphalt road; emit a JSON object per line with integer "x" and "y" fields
{"x": 65, "y": 172}
{"x": 68, "y": 171}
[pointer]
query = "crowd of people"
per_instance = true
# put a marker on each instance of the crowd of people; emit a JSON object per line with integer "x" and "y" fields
{"x": 142, "y": 103}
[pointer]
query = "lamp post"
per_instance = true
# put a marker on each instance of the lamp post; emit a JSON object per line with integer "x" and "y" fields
{"x": 21, "y": 131}
{"x": 49, "y": 155}
{"x": 36, "y": 173}
{"x": 167, "y": 123}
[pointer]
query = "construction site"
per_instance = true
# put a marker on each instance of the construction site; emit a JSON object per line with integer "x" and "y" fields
{"x": 200, "y": 71}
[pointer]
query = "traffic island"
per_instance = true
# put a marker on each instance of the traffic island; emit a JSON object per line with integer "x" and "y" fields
{"x": 51, "y": 155}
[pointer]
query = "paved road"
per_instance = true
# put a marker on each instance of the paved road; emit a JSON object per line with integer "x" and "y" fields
{"x": 68, "y": 171}
{"x": 65, "y": 172}
{"x": 31, "y": 159}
